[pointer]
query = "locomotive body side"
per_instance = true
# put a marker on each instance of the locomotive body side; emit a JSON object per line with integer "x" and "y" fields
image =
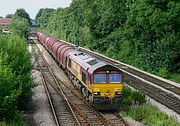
{"x": 100, "y": 83}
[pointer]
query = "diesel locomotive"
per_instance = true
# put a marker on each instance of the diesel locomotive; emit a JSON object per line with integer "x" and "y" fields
{"x": 100, "y": 83}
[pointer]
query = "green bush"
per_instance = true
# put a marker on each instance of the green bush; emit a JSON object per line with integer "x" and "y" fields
{"x": 20, "y": 26}
{"x": 164, "y": 73}
{"x": 127, "y": 91}
{"x": 19, "y": 61}
{"x": 17, "y": 121}
{"x": 130, "y": 96}
{"x": 127, "y": 100}
{"x": 175, "y": 77}
{"x": 150, "y": 115}
{"x": 8, "y": 94}
{"x": 138, "y": 96}
{"x": 15, "y": 76}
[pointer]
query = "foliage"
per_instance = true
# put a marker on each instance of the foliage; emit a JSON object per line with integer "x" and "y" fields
{"x": 8, "y": 94}
{"x": 21, "y": 23}
{"x": 103, "y": 17}
{"x": 131, "y": 97}
{"x": 127, "y": 91}
{"x": 43, "y": 22}
{"x": 142, "y": 33}
{"x": 175, "y": 77}
{"x": 17, "y": 121}
{"x": 9, "y": 16}
{"x": 138, "y": 96}
{"x": 127, "y": 100}
{"x": 150, "y": 115}
{"x": 23, "y": 14}
{"x": 20, "y": 26}
{"x": 152, "y": 35}
{"x": 19, "y": 60}
{"x": 15, "y": 76}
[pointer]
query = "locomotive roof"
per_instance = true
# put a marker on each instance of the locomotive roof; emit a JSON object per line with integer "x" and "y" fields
{"x": 86, "y": 61}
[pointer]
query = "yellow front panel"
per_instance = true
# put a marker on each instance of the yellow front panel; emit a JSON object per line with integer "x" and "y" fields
{"x": 107, "y": 90}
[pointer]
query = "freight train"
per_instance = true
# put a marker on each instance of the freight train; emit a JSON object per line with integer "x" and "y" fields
{"x": 100, "y": 83}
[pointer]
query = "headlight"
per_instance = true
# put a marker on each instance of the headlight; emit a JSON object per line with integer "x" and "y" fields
{"x": 117, "y": 93}
{"x": 96, "y": 93}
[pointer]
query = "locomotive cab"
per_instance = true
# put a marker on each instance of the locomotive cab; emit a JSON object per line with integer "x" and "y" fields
{"x": 107, "y": 87}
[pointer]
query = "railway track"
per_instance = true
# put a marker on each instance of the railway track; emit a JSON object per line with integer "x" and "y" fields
{"x": 147, "y": 84}
{"x": 115, "y": 120}
{"x": 68, "y": 106}
{"x": 150, "y": 85}
{"x": 155, "y": 93}
{"x": 62, "y": 111}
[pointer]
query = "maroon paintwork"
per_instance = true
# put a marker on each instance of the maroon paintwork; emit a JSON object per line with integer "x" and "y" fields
{"x": 51, "y": 43}
{"x": 55, "y": 48}
{"x": 66, "y": 54}
{"x": 60, "y": 51}
{"x": 42, "y": 38}
{"x": 46, "y": 41}
{"x": 63, "y": 56}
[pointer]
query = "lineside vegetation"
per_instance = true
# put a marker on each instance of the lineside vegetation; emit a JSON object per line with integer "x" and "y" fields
{"x": 143, "y": 33}
{"x": 15, "y": 73}
{"x": 151, "y": 116}
{"x": 15, "y": 76}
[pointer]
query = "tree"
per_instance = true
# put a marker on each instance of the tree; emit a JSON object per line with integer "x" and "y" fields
{"x": 15, "y": 76}
{"x": 152, "y": 33}
{"x": 23, "y": 14}
{"x": 43, "y": 17}
{"x": 9, "y": 16}
{"x": 104, "y": 17}
{"x": 143, "y": 33}
{"x": 20, "y": 26}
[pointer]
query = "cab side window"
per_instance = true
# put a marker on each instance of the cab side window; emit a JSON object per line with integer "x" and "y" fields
{"x": 83, "y": 77}
{"x": 69, "y": 63}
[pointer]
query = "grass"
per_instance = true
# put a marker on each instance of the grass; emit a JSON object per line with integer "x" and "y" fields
{"x": 130, "y": 96}
{"x": 175, "y": 77}
{"x": 13, "y": 123}
{"x": 151, "y": 116}
{"x": 3, "y": 124}
{"x": 18, "y": 121}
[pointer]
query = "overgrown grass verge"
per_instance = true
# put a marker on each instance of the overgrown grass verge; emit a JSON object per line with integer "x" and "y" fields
{"x": 175, "y": 77}
{"x": 132, "y": 97}
{"x": 150, "y": 115}
{"x": 17, "y": 121}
